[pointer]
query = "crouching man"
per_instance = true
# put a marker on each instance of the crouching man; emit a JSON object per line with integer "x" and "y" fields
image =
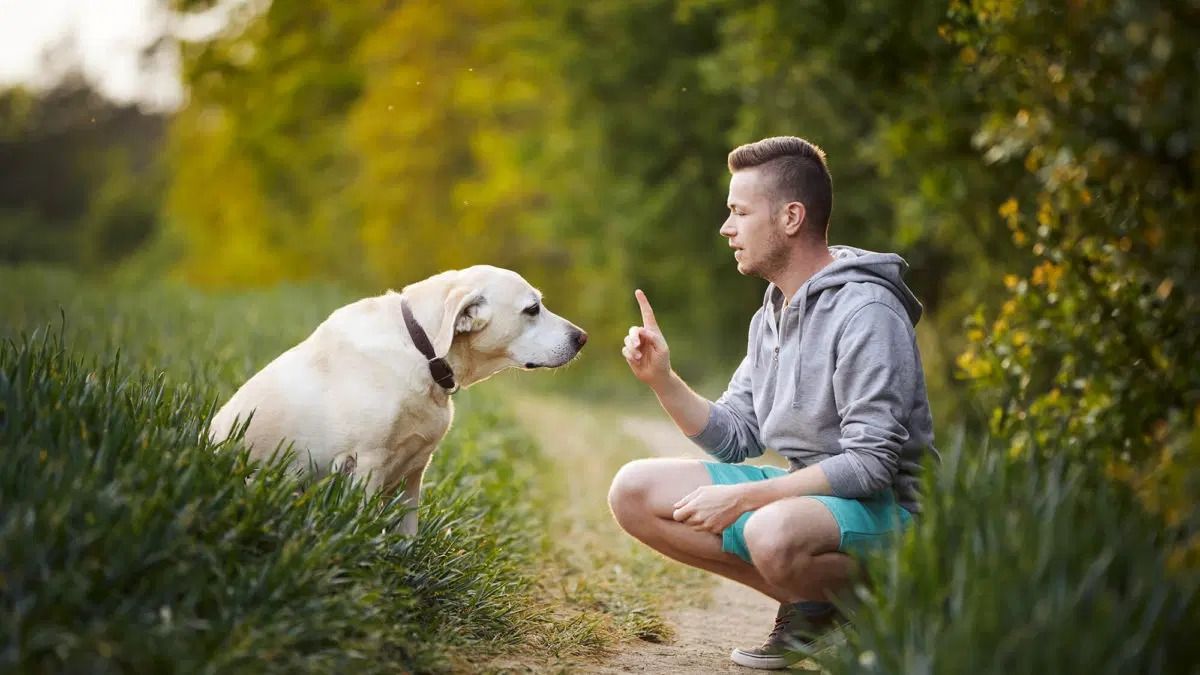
{"x": 831, "y": 379}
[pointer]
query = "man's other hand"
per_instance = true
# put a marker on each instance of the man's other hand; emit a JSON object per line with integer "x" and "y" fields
{"x": 645, "y": 348}
{"x": 711, "y": 508}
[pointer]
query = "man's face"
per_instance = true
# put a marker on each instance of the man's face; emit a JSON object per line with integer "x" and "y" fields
{"x": 754, "y": 234}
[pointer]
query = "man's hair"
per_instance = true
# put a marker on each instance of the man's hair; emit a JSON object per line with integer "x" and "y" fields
{"x": 799, "y": 173}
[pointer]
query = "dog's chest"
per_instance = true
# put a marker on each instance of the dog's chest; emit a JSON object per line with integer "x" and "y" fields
{"x": 414, "y": 436}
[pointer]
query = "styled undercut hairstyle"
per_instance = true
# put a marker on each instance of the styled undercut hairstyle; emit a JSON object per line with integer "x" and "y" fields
{"x": 799, "y": 174}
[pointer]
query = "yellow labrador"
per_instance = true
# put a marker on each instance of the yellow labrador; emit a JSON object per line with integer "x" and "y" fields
{"x": 368, "y": 392}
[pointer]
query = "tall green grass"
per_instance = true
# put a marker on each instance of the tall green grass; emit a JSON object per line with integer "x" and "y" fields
{"x": 128, "y": 542}
{"x": 1027, "y": 565}
{"x": 209, "y": 341}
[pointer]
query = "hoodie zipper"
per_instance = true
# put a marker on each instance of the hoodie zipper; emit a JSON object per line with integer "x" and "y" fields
{"x": 779, "y": 331}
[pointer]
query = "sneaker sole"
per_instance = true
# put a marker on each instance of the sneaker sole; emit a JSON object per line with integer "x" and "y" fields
{"x": 760, "y": 662}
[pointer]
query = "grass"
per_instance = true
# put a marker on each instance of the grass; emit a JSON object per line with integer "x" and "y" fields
{"x": 1026, "y": 564}
{"x": 617, "y": 582}
{"x": 129, "y": 542}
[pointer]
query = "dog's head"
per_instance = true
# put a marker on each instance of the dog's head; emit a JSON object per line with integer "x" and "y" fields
{"x": 494, "y": 319}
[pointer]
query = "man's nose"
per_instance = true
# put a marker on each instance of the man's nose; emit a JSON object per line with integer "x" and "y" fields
{"x": 727, "y": 229}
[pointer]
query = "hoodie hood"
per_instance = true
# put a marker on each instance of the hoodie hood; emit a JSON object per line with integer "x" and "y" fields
{"x": 858, "y": 265}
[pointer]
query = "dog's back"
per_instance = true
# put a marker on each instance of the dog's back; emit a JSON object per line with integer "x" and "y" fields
{"x": 339, "y": 391}
{"x": 279, "y": 401}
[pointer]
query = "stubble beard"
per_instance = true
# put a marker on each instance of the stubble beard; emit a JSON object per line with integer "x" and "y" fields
{"x": 774, "y": 263}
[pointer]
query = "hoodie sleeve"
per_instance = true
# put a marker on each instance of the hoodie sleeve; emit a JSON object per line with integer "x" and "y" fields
{"x": 731, "y": 434}
{"x": 873, "y": 384}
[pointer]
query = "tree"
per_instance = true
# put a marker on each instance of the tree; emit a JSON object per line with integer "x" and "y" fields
{"x": 260, "y": 155}
{"x": 82, "y": 184}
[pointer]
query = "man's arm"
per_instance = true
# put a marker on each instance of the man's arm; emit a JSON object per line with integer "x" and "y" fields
{"x": 811, "y": 480}
{"x": 649, "y": 358}
{"x": 687, "y": 409}
{"x": 731, "y": 433}
{"x": 873, "y": 385}
{"x": 726, "y": 429}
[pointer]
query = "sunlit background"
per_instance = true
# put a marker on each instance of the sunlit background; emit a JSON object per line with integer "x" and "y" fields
{"x": 1036, "y": 163}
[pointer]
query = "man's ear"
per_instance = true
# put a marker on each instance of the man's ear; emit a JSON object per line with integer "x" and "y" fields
{"x": 793, "y": 214}
{"x": 462, "y": 312}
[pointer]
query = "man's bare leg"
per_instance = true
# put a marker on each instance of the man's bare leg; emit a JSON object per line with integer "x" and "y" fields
{"x": 794, "y": 544}
{"x": 642, "y": 498}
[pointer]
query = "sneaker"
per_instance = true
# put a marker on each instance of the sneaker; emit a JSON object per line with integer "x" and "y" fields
{"x": 792, "y": 631}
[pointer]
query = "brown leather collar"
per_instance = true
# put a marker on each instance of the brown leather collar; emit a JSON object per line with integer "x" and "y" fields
{"x": 438, "y": 367}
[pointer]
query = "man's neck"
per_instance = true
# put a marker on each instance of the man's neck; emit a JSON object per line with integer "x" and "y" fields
{"x": 805, "y": 263}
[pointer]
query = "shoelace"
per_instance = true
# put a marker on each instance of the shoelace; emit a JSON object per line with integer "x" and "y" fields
{"x": 783, "y": 622}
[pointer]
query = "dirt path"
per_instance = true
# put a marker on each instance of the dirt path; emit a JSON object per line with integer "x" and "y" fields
{"x": 705, "y": 632}
{"x": 704, "y": 635}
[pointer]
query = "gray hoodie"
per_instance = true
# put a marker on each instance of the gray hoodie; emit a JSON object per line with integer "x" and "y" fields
{"x": 834, "y": 378}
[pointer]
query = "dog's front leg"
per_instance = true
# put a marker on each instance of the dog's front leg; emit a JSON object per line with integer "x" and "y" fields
{"x": 344, "y": 462}
{"x": 412, "y": 498}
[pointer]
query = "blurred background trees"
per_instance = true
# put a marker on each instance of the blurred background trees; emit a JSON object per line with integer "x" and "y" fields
{"x": 583, "y": 146}
{"x": 1035, "y": 162}
{"x": 81, "y": 177}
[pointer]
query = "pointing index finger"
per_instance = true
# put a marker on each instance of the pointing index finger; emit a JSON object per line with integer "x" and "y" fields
{"x": 648, "y": 319}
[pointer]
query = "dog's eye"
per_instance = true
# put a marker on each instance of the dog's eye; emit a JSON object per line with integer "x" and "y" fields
{"x": 532, "y": 310}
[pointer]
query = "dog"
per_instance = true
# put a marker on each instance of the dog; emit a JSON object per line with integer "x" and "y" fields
{"x": 368, "y": 393}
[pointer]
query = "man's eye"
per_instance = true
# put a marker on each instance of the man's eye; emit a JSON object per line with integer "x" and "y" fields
{"x": 533, "y": 309}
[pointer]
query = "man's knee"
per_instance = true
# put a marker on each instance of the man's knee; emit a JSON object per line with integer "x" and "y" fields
{"x": 783, "y": 537}
{"x": 630, "y": 489}
{"x": 647, "y": 488}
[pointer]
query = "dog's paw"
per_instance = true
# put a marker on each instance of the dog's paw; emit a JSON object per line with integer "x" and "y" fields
{"x": 344, "y": 463}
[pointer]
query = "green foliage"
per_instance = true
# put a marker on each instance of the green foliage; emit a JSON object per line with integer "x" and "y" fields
{"x": 123, "y": 212}
{"x": 440, "y": 135}
{"x": 260, "y": 156}
{"x": 644, "y": 180}
{"x": 1026, "y": 566}
{"x": 1093, "y": 354}
{"x": 128, "y": 542}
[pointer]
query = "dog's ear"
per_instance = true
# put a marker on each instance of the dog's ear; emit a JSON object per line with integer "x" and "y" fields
{"x": 464, "y": 311}
{"x": 473, "y": 316}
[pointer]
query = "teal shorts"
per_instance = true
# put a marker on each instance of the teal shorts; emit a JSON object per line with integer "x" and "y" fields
{"x": 864, "y": 523}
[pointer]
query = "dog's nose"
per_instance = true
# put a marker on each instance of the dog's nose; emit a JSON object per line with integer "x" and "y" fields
{"x": 581, "y": 339}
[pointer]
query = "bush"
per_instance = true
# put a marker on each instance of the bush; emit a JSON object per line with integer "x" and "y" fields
{"x": 1093, "y": 352}
{"x": 1027, "y": 566}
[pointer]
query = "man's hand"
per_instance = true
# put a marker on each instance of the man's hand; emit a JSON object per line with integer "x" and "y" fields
{"x": 711, "y": 508}
{"x": 645, "y": 348}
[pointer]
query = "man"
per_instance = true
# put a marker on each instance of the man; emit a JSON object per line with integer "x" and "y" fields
{"x": 832, "y": 379}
